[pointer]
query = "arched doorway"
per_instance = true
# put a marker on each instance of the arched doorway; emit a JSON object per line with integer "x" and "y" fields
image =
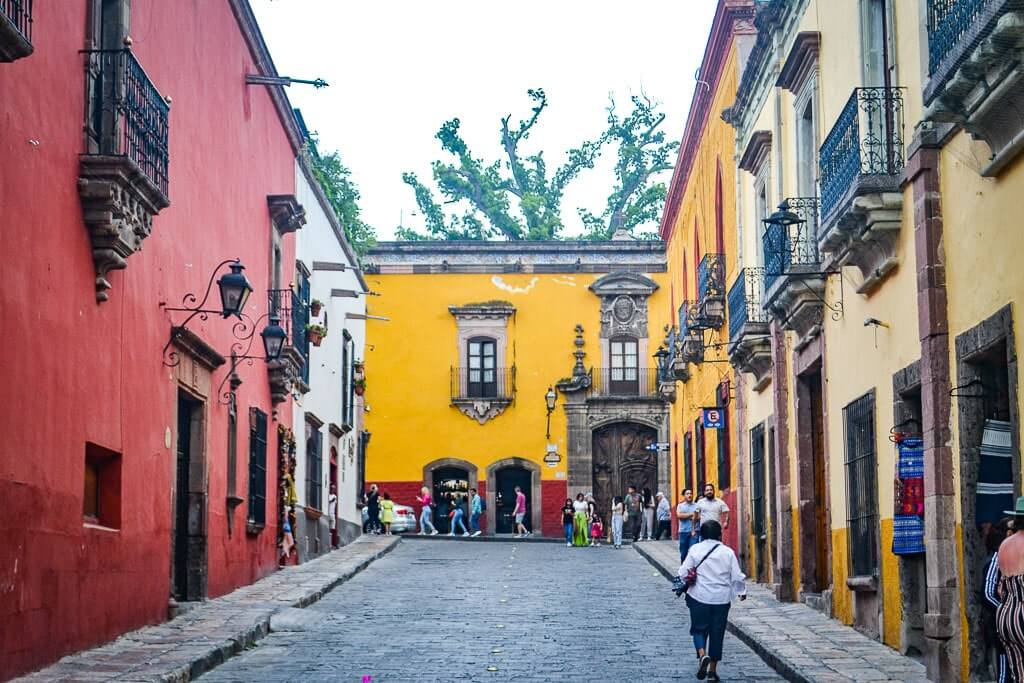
{"x": 451, "y": 487}
{"x": 506, "y": 480}
{"x": 621, "y": 459}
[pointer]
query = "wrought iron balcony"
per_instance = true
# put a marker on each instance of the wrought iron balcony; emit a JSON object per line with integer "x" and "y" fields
{"x": 482, "y": 393}
{"x": 975, "y": 76}
{"x": 860, "y": 165}
{"x": 625, "y": 383}
{"x": 15, "y": 29}
{"x": 293, "y": 368}
{"x": 692, "y": 324}
{"x": 711, "y": 289}
{"x": 792, "y": 250}
{"x": 749, "y": 344}
{"x": 122, "y": 180}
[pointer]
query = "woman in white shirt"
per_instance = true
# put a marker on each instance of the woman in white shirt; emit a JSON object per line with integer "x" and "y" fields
{"x": 617, "y": 519}
{"x": 580, "y": 533}
{"x": 719, "y": 580}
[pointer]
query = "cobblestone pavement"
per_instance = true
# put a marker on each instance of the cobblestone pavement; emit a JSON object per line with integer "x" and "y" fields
{"x": 182, "y": 649}
{"x": 466, "y": 611}
{"x": 801, "y": 642}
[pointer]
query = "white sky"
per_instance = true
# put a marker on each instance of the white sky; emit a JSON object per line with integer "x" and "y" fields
{"x": 400, "y": 68}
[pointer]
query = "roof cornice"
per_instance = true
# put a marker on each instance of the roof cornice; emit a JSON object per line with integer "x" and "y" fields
{"x": 732, "y": 18}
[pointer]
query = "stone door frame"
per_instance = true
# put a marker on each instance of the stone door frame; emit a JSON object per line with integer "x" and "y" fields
{"x": 535, "y": 491}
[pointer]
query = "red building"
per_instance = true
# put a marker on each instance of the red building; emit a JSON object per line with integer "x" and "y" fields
{"x": 135, "y": 158}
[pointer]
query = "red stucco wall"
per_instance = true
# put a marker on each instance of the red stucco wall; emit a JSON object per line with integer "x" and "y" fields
{"x": 76, "y": 371}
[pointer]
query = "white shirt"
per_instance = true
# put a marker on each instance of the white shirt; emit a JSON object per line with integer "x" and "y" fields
{"x": 579, "y": 505}
{"x": 719, "y": 578}
{"x": 711, "y": 510}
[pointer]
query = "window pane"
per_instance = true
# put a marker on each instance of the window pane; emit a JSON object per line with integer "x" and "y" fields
{"x": 474, "y": 376}
{"x": 488, "y": 362}
{"x": 631, "y": 374}
{"x": 488, "y": 376}
{"x": 616, "y": 348}
{"x": 474, "y": 348}
{"x": 616, "y": 374}
{"x": 474, "y": 361}
{"x": 488, "y": 349}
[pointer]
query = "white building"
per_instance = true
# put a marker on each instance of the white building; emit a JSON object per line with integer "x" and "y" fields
{"x": 328, "y": 416}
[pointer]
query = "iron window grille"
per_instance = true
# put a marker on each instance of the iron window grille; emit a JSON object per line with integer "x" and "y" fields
{"x": 757, "y": 497}
{"x": 257, "y": 467}
{"x": 19, "y": 12}
{"x": 867, "y": 139}
{"x": 129, "y": 118}
{"x": 861, "y": 490}
{"x": 745, "y": 298}
{"x": 293, "y": 313}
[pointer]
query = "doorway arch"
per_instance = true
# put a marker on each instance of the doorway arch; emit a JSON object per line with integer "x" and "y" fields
{"x": 448, "y": 476}
{"x": 507, "y": 473}
{"x": 621, "y": 459}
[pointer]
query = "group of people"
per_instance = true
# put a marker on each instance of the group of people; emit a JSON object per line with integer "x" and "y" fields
{"x": 380, "y": 511}
{"x": 454, "y": 512}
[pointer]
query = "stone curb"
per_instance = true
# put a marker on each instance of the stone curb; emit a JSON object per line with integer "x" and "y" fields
{"x": 220, "y": 650}
{"x": 783, "y": 667}
{"x": 486, "y": 539}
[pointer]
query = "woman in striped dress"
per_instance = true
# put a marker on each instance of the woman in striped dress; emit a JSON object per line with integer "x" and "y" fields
{"x": 1010, "y": 614}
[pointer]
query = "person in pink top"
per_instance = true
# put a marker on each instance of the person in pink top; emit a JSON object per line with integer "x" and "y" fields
{"x": 520, "y": 513}
{"x": 426, "y": 512}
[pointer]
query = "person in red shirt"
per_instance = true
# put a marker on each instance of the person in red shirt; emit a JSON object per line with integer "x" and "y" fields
{"x": 520, "y": 513}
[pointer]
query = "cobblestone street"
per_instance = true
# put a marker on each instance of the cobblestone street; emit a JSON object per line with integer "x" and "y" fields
{"x": 445, "y": 611}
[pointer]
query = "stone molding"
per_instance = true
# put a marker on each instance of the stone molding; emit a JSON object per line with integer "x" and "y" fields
{"x": 624, "y": 304}
{"x": 286, "y": 212}
{"x": 482, "y": 409}
{"x": 751, "y": 352}
{"x": 863, "y": 229}
{"x": 118, "y": 206}
{"x": 497, "y": 310}
{"x": 801, "y": 62}
{"x": 188, "y": 341}
{"x": 756, "y": 153}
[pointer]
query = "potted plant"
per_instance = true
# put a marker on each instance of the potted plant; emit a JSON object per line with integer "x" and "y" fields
{"x": 314, "y": 307}
{"x": 315, "y": 333}
{"x": 359, "y": 366}
{"x": 359, "y": 386}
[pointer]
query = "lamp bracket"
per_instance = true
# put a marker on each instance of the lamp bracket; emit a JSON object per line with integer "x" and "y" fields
{"x": 189, "y": 304}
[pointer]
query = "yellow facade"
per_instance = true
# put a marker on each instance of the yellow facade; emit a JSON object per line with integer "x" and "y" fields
{"x": 416, "y": 417}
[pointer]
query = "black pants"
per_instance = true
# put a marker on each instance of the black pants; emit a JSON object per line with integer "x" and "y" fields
{"x": 664, "y": 527}
{"x": 707, "y": 626}
{"x": 633, "y": 525}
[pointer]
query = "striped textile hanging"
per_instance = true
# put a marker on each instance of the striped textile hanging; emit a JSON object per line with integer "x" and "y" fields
{"x": 995, "y": 473}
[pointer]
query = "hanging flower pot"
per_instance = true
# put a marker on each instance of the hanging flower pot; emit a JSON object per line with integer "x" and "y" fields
{"x": 314, "y": 307}
{"x": 359, "y": 366}
{"x": 315, "y": 333}
{"x": 359, "y": 387}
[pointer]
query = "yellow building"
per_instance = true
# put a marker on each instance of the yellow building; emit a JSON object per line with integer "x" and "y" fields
{"x": 699, "y": 227}
{"x": 889, "y": 281}
{"x": 474, "y": 337}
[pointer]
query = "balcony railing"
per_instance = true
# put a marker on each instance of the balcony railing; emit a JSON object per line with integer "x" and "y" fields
{"x": 711, "y": 276}
{"x": 294, "y": 315}
{"x": 624, "y": 382}
{"x": 19, "y": 12}
{"x": 494, "y": 384}
{"x": 776, "y": 253}
{"x": 866, "y": 140}
{"x": 745, "y": 298}
{"x": 948, "y": 24}
{"x": 129, "y": 116}
{"x": 689, "y": 318}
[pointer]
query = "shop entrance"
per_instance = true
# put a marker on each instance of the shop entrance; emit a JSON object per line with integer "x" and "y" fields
{"x": 451, "y": 487}
{"x": 506, "y": 480}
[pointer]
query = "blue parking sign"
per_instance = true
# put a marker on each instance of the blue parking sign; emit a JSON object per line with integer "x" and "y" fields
{"x": 714, "y": 418}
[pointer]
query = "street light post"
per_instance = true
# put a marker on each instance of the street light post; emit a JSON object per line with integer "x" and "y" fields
{"x": 550, "y": 398}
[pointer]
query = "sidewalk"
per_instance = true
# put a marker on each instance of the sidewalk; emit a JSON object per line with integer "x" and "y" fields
{"x": 182, "y": 649}
{"x": 800, "y": 643}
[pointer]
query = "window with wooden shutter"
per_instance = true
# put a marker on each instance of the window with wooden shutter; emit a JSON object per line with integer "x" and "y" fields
{"x": 257, "y": 467}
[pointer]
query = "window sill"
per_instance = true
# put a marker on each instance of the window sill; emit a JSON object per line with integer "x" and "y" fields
{"x": 862, "y": 584}
{"x": 96, "y": 526}
{"x": 253, "y": 529}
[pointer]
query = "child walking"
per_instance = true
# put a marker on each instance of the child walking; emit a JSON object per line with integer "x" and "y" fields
{"x": 387, "y": 513}
{"x": 596, "y": 530}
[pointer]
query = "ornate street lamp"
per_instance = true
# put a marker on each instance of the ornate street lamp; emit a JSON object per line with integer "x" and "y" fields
{"x": 550, "y": 398}
{"x": 274, "y": 338}
{"x": 784, "y": 218}
{"x": 234, "y": 290}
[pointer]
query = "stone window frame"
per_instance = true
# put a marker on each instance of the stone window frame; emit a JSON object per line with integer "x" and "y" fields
{"x": 491, "y": 320}
{"x": 756, "y": 160}
{"x": 855, "y": 581}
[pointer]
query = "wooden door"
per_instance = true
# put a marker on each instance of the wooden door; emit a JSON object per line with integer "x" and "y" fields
{"x": 621, "y": 460}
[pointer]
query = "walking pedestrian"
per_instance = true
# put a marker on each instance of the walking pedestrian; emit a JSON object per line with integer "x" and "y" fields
{"x": 1002, "y": 531}
{"x": 520, "y": 512}
{"x": 426, "y": 511}
{"x": 567, "y": 515}
{"x": 632, "y": 518}
{"x": 373, "y": 510}
{"x": 387, "y": 512}
{"x": 617, "y": 510}
{"x": 647, "y": 521}
{"x": 476, "y": 508}
{"x": 457, "y": 515}
{"x": 596, "y": 530}
{"x": 689, "y": 521}
{"x": 332, "y": 514}
{"x": 713, "y": 509}
{"x": 664, "y": 517}
{"x": 1010, "y": 614}
{"x": 579, "y": 522}
{"x": 718, "y": 581}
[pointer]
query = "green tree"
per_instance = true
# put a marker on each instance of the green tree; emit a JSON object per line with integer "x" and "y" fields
{"x": 637, "y": 198}
{"x": 488, "y": 191}
{"x": 336, "y": 180}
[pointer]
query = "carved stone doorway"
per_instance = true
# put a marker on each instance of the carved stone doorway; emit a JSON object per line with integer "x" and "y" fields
{"x": 621, "y": 459}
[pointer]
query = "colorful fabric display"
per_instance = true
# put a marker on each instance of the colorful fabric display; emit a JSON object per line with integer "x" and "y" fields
{"x": 908, "y": 522}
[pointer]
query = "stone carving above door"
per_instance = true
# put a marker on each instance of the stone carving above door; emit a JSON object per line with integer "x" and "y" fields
{"x": 624, "y": 303}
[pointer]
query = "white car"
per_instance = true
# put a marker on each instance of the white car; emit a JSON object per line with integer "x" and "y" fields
{"x": 405, "y": 519}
